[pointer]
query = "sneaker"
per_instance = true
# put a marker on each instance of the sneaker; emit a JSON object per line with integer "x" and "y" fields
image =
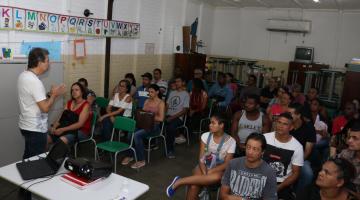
{"x": 138, "y": 165}
{"x": 127, "y": 160}
{"x": 170, "y": 190}
{"x": 171, "y": 155}
{"x": 180, "y": 140}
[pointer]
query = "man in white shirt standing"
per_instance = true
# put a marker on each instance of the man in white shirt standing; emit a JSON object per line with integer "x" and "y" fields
{"x": 285, "y": 155}
{"x": 34, "y": 105}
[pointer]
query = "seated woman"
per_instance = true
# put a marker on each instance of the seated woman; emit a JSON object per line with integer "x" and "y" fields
{"x": 276, "y": 109}
{"x": 198, "y": 103}
{"x": 79, "y": 130}
{"x": 155, "y": 105}
{"x": 332, "y": 182}
{"x": 216, "y": 151}
{"x": 119, "y": 105}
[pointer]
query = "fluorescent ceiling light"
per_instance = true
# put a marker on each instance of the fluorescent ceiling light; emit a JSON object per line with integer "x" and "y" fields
{"x": 316, "y": 1}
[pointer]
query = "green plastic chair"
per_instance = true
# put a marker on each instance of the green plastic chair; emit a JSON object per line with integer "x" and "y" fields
{"x": 120, "y": 124}
{"x": 91, "y": 138}
{"x": 102, "y": 102}
{"x": 153, "y": 136}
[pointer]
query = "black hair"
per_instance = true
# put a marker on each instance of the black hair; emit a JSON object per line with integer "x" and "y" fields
{"x": 355, "y": 126}
{"x": 199, "y": 69}
{"x": 128, "y": 85}
{"x": 253, "y": 76}
{"x": 84, "y": 81}
{"x": 286, "y": 115}
{"x": 132, "y": 77}
{"x": 314, "y": 88}
{"x": 157, "y": 69}
{"x": 221, "y": 74}
{"x": 37, "y": 55}
{"x": 255, "y": 97}
{"x": 231, "y": 75}
{"x": 219, "y": 117}
{"x": 296, "y": 87}
{"x": 288, "y": 93}
{"x": 156, "y": 88}
{"x": 82, "y": 89}
{"x": 258, "y": 137}
{"x": 345, "y": 169}
{"x": 180, "y": 77}
{"x": 318, "y": 100}
{"x": 298, "y": 108}
{"x": 198, "y": 84}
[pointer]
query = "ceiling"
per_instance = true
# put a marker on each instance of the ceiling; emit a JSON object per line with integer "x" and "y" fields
{"x": 302, "y": 4}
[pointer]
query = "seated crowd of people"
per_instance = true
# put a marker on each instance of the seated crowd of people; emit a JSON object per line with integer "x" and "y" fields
{"x": 269, "y": 143}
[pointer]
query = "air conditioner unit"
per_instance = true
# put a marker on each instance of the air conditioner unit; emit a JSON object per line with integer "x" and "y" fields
{"x": 288, "y": 25}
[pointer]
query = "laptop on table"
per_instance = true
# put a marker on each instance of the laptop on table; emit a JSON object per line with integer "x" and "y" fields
{"x": 44, "y": 166}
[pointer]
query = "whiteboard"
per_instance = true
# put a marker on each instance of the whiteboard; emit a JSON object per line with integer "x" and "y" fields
{"x": 12, "y": 143}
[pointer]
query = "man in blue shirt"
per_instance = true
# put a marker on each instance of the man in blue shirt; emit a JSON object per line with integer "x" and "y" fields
{"x": 198, "y": 73}
{"x": 221, "y": 92}
{"x": 142, "y": 92}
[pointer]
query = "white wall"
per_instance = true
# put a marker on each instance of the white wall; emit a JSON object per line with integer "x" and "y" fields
{"x": 226, "y": 32}
{"x": 158, "y": 18}
{"x": 242, "y": 33}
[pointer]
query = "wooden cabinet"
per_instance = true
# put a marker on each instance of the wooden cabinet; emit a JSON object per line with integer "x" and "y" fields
{"x": 297, "y": 71}
{"x": 351, "y": 83}
{"x": 185, "y": 64}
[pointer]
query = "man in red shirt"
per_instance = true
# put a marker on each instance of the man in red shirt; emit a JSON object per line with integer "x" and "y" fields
{"x": 340, "y": 121}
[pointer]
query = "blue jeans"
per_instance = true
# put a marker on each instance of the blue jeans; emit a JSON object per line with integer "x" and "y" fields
{"x": 322, "y": 149}
{"x": 35, "y": 143}
{"x": 170, "y": 133}
{"x": 107, "y": 127}
{"x": 306, "y": 176}
{"x": 139, "y": 136}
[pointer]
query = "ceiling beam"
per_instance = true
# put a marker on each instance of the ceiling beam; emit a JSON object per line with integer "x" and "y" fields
{"x": 298, "y": 4}
{"x": 263, "y": 3}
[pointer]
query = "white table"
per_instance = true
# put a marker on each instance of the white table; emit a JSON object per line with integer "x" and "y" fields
{"x": 115, "y": 187}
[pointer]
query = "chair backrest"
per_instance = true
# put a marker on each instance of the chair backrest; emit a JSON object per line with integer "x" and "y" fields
{"x": 134, "y": 107}
{"x": 94, "y": 119}
{"x": 102, "y": 102}
{"x": 125, "y": 124}
{"x": 210, "y": 106}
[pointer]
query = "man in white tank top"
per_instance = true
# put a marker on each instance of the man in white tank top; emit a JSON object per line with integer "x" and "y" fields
{"x": 248, "y": 121}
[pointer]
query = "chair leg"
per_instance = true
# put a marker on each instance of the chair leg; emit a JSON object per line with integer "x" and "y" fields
{"x": 96, "y": 153}
{"x": 135, "y": 157}
{"x": 94, "y": 143}
{"x": 115, "y": 159}
{"x": 148, "y": 158}
{"x": 164, "y": 139}
{"x": 187, "y": 134}
{"x": 75, "y": 148}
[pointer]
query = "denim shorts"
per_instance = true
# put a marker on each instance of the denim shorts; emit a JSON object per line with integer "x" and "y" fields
{"x": 70, "y": 137}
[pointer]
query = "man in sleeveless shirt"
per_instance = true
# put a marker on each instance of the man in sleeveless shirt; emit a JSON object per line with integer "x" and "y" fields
{"x": 248, "y": 121}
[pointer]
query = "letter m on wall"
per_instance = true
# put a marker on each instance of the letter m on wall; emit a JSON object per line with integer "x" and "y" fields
{"x": 31, "y": 15}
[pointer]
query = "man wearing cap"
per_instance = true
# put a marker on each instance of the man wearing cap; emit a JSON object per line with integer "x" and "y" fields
{"x": 142, "y": 92}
